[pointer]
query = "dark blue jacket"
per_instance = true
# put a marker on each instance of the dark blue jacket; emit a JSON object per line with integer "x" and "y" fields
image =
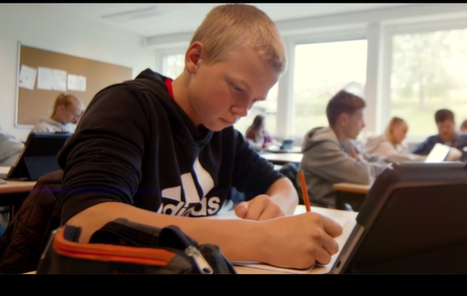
{"x": 460, "y": 143}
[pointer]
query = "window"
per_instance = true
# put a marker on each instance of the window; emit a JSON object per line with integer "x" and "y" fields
{"x": 173, "y": 65}
{"x": 428, "y": 73}
{"x": 267, "y": 108}
{"x": 320, "y": 71}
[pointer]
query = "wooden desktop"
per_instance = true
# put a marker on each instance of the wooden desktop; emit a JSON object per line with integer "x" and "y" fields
{"x": 352, "y": 194}
{"x": 12, "y": 194}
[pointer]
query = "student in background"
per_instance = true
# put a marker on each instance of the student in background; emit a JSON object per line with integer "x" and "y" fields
{"x": 329, "y": 155}
{"x": 447, "y": 135}
{"x": 388, "y": 146}
{"x": 10, "y": 148}
{"x": 257, "y": 135}
{"x": 67, "y": 111}
{"x": 463, "y": 127}
{"x": 166, "y": 151}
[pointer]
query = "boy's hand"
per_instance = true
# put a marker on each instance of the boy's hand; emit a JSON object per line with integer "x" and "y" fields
{"x": 259, "y": 208}
{"x": 303, "y": 240}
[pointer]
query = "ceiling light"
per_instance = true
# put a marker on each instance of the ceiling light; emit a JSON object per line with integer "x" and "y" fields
{"x": 133, "y": 15}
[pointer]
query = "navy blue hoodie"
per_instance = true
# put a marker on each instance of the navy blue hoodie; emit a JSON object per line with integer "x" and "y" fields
{"x": 135, "y": 145}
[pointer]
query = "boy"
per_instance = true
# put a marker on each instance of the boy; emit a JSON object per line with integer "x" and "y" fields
{"x": 447, "y": 135}
{"x": 330, "y": 157}
{"x": 159, "y": 153}
{"x": 463, "y": 126}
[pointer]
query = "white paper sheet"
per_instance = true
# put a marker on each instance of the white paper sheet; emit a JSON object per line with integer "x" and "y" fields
{"x": 27, "y": 77}
{"x": 76, "y": 82}
{"x": 259, "y": 265}
{"x": 45, "y": 78}
{"x": 59, "y": 80}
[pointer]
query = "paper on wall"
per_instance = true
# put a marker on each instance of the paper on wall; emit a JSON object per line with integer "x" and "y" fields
{"x": 59, "y": 80}
{"x": 45, "y": 78}
{"x": 27, "y": 77}
{"x": 76, "y": 82}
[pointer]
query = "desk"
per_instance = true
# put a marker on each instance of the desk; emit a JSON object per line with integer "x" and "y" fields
{"x": 353, "y": 194}
{"x": 282, "y": 158}
{"x": 13, "y": 193}
{"x": 16, "y": 187}
{"x": 347, "y": 216}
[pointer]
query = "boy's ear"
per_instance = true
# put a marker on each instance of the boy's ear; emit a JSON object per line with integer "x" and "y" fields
{"x": 343, "y": 118}
{"x": 192, "y": 57}
{"x": 61, "y": 108}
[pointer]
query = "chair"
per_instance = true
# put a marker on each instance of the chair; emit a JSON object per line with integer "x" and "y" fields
{"x": 26, "y": 236}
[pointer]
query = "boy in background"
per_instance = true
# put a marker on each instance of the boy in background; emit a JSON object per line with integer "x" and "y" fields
{"x": 330, "y": 156}
{"x": 447, "y": 135}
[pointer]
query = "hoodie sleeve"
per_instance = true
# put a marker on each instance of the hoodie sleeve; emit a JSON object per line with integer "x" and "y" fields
{"x": 329, "y": 162}
{"x": 384, "y": 150}
{"x": 252, "y": 173}
{"x": 425, "y": 147}
{"x": 10, "y": 148}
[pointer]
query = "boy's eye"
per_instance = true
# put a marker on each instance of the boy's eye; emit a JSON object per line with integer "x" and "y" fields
{"x": 236, "y": 88}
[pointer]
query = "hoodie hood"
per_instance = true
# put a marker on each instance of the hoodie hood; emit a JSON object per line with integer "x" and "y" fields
{"x": 318, "y": 135}
{"x": 180, "y": 122}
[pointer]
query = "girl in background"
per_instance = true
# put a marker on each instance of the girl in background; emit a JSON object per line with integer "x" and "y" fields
{"x": 389, "y": 145}
{"x": 257, "y": 135}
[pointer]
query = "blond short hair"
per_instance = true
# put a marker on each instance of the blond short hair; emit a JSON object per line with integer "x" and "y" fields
{"x": 66, "y": 100}
{"x": 231, "y": 26}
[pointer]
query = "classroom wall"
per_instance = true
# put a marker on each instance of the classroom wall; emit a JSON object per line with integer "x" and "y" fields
{"x": 64, "y": 33}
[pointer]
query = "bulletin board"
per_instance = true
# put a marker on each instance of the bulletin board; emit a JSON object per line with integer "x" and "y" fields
{"x": 43, "y": 75}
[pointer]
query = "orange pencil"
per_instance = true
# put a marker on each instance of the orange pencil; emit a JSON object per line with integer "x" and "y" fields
{"x": 305, "y": 197}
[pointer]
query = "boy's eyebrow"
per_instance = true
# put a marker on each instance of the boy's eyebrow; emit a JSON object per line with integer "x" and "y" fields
{"x": 244, "y": 84}
{"x": 248, "y": 88}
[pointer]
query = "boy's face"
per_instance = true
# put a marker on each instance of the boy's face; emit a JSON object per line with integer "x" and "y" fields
{"x": 353, "y": 124}
{"x": 70, "y": 114}
{"x": 220, "y": 93}
{"x": 447, "y": 130}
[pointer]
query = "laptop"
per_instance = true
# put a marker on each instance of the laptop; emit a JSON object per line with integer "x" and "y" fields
{"x": 438, "y": 153}
{"x": 412, "y": 221}
{"x": 38, "y": 157}
{"x": 286, "y": 146}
